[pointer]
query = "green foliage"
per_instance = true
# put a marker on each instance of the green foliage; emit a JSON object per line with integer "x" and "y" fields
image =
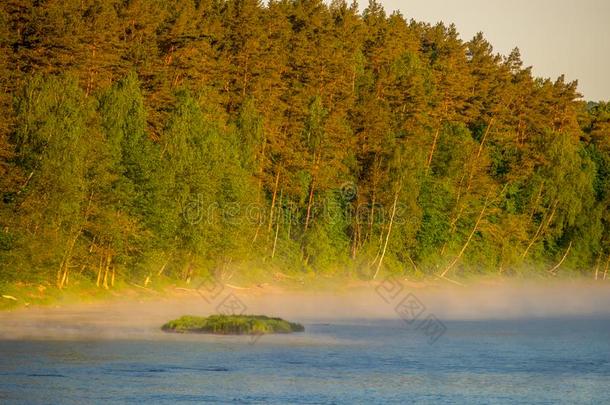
{"x": 132, "y": 220}
{"x": 327, "y": 242}
{"x": 231, "y": 325}
{"x": 148, "y": 140}
{"x": 53, "y": 124}
{"x": 436, "y": 203}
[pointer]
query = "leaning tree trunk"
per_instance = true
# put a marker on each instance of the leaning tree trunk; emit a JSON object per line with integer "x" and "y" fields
{"x": 553, "y": 271}
{"x": 277, "y": 182}
{"x": 387, "y": 237}
{"x": 474, "y": 230}
{"x": 311, "y": 190}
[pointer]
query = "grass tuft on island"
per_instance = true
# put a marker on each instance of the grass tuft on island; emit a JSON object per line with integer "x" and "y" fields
{"x": 231, "y": 325}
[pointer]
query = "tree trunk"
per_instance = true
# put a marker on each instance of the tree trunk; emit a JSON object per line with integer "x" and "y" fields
{"x": 186, "y": 268}
{"x": 277, "y": 182}
{"x": 65, "y": 263}
{"x": 99, "y": 271}
{"x": 432, "y": 149}
{"x": 372, "y": 215}
{"x": 64, "y": 267}
{"x": 106, "y": 270}
{"x": 261, "y": 170}
{"x": 474, "y": 229}
{"x": 376, "y": 169}
{"x": 543, "y": 225}
{"x": 277, "y": 227}
{"x": 533, "y": 211}
{"x": 470, "y": 177}
{"x": 356, "y": 235}
{"x": 289, "y": 231}
{"x": 556, "y": 267}
{"x": 309, "y": 203}
{"x": 162, "y": 269}
{"x": 599, "y": 257}
{"x": 378, "y": 249}
{"x": 412, "y": 263}
{"x": 311, "y": 192}
{"x": 476, "y": 159}
{"x": 387, "y": 238}
{"x": 277, "y": 230}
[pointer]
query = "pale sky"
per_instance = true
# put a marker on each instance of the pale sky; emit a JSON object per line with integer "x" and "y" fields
{"x": 554, "y": 36}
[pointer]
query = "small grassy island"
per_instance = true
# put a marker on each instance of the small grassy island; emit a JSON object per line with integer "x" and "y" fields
{"x": 231, "y": 325}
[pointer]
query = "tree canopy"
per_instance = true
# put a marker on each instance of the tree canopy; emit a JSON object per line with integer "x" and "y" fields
{"x": 148, "y": 138}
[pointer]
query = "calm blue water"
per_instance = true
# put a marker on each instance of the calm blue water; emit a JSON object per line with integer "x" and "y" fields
{"x": 522, "y": 361}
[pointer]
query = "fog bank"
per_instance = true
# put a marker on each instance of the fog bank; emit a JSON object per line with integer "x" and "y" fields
{"x": 142, "y": 319}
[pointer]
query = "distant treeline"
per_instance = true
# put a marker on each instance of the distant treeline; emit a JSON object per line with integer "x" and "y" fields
{"x": 147, "y": 138}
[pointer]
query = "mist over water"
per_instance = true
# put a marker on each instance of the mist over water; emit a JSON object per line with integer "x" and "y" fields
{"x": 128, "y": 319}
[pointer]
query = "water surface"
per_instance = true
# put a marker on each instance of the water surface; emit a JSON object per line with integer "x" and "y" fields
{"x": 546, "y": 360}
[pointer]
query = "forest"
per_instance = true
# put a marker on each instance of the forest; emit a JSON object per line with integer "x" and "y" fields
{"x": 143, "y": 140}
